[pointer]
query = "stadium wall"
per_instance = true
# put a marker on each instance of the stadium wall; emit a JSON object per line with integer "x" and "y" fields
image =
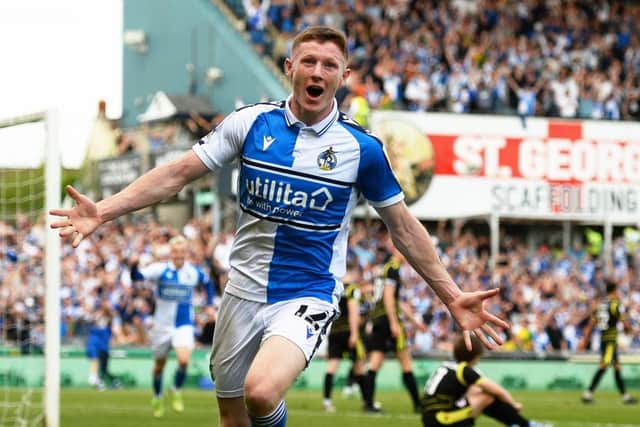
{"x": 197, "y": 33}
{"x": 133, "y": 366}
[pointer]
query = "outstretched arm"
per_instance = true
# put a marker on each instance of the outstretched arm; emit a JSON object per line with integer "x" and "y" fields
{"x": 154, "y": 186}
{"x": 414, "y": 242}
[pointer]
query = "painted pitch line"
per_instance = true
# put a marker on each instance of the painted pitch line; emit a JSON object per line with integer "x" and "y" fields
{"x": 320, "y": 413}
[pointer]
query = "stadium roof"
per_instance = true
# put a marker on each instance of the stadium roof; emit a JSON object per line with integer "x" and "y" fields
{"x": 164, "y": 107}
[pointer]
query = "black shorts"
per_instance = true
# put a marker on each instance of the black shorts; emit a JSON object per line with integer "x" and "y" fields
{"x": 339, "y": 347}
{"x": 382, "y": 340}
{"x": 456, "y": 418}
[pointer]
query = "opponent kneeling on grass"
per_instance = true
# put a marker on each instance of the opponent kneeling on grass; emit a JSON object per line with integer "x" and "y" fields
{"x": 457, "y": 393}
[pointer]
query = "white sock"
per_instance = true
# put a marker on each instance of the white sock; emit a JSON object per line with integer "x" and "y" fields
{"x": 93, "y": 379}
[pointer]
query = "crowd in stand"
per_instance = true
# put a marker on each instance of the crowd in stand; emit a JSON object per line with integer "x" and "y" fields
{"x": 547, "y": 295}
{"x": 566, "y": 58}
{"x": 99, "y": 268}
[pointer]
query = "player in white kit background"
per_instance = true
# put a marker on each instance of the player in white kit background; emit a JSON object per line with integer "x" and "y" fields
{"x": 175, "y": 284}
{"x": 303, "y": 167}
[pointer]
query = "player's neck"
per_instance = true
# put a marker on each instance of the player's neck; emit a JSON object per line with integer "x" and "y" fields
{"x": 309, "y": 117}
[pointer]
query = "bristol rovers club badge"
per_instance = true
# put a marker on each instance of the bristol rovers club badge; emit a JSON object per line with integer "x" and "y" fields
{"x": 327, "y": 160}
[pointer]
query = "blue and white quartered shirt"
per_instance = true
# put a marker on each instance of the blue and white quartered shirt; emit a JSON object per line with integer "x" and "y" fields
{"x": 297, "y": 188}
{"x": 174, "y": 292}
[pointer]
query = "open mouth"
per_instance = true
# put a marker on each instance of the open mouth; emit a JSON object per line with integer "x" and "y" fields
{"x": 314, "y": 91}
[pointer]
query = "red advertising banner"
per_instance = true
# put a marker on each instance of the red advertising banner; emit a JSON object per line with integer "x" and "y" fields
{"x": 552, "y": 169}
{"x": 554, "y": 159}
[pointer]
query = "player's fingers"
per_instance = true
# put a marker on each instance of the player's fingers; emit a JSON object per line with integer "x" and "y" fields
{"x": 67, "y": 231}
{"x": 61, "y": 223}
{"x": 490, "y": 293}
{"x": 467, "y": 340}
{"x": 75, "y": 194}
{"x": 60, "y": 212}
{"x": 495, "y": 320}
{"x": 483, "y": 338}
{"x": 77, "y": 240}
{"x": 492, "y": 333}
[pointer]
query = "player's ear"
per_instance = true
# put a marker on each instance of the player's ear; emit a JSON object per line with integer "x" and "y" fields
{"x": 346, "y": 73}
{"x": 288, "y": 66}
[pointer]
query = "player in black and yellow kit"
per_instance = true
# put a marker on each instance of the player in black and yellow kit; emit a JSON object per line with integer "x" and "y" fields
{"x": 457, "y": 393}
{"x": 605, "y": 318}
{"x": 387, "y": 333}
{"x": 344, "y": 337}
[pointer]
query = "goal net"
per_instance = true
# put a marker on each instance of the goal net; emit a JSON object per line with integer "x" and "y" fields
{"x": 29, "y": 271}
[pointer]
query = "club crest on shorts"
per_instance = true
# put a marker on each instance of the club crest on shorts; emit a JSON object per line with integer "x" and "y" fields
{"x": 327, "y": 160}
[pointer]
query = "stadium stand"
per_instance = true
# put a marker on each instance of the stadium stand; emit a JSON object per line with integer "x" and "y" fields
{"x": 547, "y": 58}
{"x": 546, "y": 295}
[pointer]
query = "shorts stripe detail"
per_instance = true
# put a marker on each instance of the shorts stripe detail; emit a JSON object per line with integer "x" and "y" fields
{"x": 608, "y": 353}
{"x": 360, "y": 351}
{"x": 451, "y": 417}
{"x": 321, "y": 335}
{"x": 401, "y": 341}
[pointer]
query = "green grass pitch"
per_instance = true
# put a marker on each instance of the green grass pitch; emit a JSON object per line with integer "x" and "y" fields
{"x": 131, "y": 408}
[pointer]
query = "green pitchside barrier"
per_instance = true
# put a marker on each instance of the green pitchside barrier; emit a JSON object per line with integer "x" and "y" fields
{"x": 133, "y": 367}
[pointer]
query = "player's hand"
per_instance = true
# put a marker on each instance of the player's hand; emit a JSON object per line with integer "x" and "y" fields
{"x": 518, "y": 406}
{"x": 422, "y": 327}
{"x": 79, "y": 221}
{"x": 395, "y": 329}
{"x": 468, "y": 310}
{"x": 353, "y": 340}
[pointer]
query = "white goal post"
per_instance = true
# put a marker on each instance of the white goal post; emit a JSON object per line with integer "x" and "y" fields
{"x": 51, "y": 392}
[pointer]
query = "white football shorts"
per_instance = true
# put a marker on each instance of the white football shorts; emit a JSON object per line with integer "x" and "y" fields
{"x": 243, "y": 325}
{"x": 163, "y": 340}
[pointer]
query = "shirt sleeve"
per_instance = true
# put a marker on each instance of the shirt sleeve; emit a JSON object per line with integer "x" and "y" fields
{"x": 376, "y": 180}
{"x": 224, "y": 144}
{"x": 392, "y": 276}
{"x": 470, "y": 375}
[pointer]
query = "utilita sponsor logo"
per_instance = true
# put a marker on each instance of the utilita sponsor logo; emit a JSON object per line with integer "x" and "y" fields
{"x": 173, "y": 291}
{"x": 282, "y": 192}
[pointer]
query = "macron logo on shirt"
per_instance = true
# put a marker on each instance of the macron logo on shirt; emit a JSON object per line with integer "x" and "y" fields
{"x": 267, "y": 141}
